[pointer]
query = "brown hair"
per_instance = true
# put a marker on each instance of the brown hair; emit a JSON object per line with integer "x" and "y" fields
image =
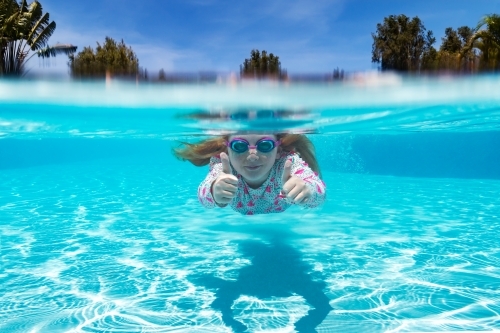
{"x": 199, "y": 153}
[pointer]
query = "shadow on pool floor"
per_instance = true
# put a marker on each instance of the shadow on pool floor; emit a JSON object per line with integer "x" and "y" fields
{"x": 276, "y": 270}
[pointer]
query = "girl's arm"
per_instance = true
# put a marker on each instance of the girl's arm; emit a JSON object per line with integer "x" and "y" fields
{"x": 302, "y": 170}
{"x": 205, "y": 188}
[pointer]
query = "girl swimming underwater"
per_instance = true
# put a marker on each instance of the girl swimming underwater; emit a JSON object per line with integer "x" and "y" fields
{"x": 257, "y": 173}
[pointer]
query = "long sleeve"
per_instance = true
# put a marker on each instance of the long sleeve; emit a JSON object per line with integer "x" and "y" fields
{"x": 204, "y": 190}
{"x": 302, "y": 170}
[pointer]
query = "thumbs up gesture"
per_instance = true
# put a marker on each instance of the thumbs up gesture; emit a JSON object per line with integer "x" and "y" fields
{"x": 225, "y": 186}
{"x": 294, "y": 188}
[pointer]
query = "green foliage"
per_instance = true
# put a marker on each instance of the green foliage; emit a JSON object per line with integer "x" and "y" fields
{"x": 402, "y": 44}
{"x": 112, "y": 57}
{"x": 430, "y": 60}
{"x": 487, "y": 41}
{"x": 24, "y": 28}
{"x": 448, "y": 57}
{"x": 465, "y": 34}
{"x": 261, "y": 65}
{"x": 467, "y": 50}
{"x": 451, "y": 42}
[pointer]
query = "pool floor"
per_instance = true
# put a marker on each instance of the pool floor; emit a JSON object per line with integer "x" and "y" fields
{"x": 114, "y": 245}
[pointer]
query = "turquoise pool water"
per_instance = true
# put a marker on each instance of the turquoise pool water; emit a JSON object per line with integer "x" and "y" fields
{"x": 101, "y": 229}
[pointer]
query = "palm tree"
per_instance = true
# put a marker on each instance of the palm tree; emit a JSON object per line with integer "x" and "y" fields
{"x": 25, "y": 28}
{"x": 487, "y": 41}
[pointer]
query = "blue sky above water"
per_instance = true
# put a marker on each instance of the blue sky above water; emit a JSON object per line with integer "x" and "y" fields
{"x": 205, "y": 35}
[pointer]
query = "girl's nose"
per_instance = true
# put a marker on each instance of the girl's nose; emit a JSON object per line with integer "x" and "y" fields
{"x": 252, "y": 156}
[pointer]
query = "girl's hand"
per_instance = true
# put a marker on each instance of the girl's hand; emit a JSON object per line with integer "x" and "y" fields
{"x": 294, "y": 188}
{"x": 225, "y": 186}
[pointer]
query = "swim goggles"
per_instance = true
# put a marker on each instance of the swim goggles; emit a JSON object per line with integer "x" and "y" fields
{"x": 264, "y": 145}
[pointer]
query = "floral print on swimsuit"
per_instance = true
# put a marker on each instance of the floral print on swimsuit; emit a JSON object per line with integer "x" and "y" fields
{"x": 267, "y": 198}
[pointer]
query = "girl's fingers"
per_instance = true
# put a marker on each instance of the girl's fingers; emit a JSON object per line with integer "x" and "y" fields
{"x": 293, "y": 193}
{"x": 227, "y": 184}
{"x": 230, "y": 188}
{"x": 299, "y": 194}
{"x": 230, "y": 179}
{"x": 302, "y": 197}
{"x": 227, "y": 194}
{"x": 288, "y": 188}
{"x": 224, "y": 200}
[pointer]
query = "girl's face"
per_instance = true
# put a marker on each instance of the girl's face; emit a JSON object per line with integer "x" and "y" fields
{"x": 253, "y": 165}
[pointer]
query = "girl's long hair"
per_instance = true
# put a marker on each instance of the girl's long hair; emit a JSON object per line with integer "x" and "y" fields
{"x": 200, "y": 153}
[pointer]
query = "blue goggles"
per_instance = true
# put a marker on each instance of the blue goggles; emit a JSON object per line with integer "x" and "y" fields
{"x": 264, "y": 145}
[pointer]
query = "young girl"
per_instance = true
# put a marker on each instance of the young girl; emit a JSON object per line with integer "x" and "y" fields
{"x": 257, "y": 173}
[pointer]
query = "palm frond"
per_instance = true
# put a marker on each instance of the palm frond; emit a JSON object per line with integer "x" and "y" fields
{"x": 36, "y": 11}
{"x": 23, "y": 6}
{"x": 487, "y": 20}
{"x": 41, "y": 39}
{"x": 481, "y": 34}
{"x": 52, "y": 51}
{"x": 24, "y": 27}
{"x": 37, "y": 28}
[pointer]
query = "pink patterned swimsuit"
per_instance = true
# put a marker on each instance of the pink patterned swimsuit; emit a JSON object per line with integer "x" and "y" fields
{"x": 267, "y": 198}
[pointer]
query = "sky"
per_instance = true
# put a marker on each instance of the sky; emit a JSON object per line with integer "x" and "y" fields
{"x": 217, "y": 35}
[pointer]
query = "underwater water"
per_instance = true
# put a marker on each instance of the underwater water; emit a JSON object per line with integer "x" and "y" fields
{"x": 102, "y": 231}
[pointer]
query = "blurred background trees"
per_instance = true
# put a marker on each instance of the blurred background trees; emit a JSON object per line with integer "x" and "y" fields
{"x": 448, "y": 58}
{"x": 110, "y": 58}
{"x": 486, "y": 39}
{"x": 404, "y": 45}
{"x": 262, "y": 65}
{"x": 401, "y": 43}
{"x": 25, "y": 28}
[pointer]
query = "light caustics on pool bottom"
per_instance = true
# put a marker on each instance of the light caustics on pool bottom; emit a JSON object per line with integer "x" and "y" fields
{"x": 116, "y": 241}
{"x": 123, "y": 247}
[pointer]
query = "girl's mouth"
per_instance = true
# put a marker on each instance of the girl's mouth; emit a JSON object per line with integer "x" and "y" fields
{"x": 252, "y": 168}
